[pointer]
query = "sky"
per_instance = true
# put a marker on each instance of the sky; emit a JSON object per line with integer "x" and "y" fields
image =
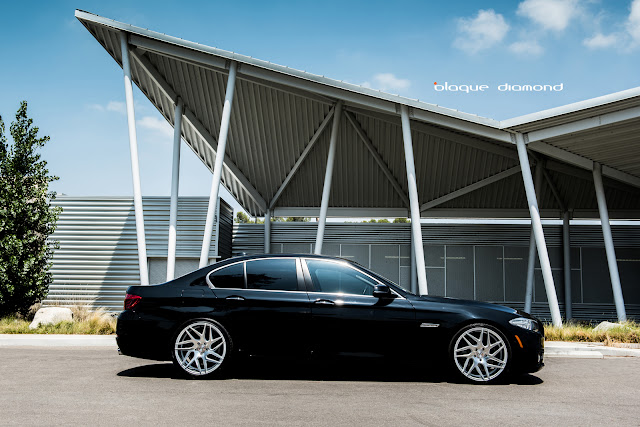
{"x": 76, "y": 95}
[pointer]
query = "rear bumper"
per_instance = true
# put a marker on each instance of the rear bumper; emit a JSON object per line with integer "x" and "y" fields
{"x": 137, "y": 337}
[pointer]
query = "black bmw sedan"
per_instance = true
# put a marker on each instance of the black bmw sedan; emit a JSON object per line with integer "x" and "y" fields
{"x": 295, "y": 305}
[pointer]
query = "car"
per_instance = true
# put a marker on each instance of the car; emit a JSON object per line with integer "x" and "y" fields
{"x": 295, "y": 305}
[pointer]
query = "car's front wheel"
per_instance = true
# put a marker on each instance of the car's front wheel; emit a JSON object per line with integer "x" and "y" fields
{"x": 201, "y": 348}
{"x": 480, "y": 353}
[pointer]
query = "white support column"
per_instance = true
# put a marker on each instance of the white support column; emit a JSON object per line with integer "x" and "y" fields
{"x": 528, "y": 297}
{"x": 267, "y": 232}
{"x": 328, "y": 175}
{"x": 537, "y": 229}
{"x": 608, "y": 243}
{"x": 416, "y": 231}
{"x": 566, "y": 248}
{"x": 135, "y": 166}
{"x": 175, "y": 185}
{"x": 217, "y": 169}
{"x": 414, "y": 276}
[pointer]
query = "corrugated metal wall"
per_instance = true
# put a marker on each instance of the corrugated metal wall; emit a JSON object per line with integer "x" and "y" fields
{"x": 474, "y": 261}
{"x": 98, "y": 259}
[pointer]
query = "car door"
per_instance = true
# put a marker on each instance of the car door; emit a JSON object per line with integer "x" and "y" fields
{"x": 272, "y": 309}
{"x": 347, "y": 318}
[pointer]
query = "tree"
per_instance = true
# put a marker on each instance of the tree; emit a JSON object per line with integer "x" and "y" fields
{"x": 242, "y": 218}
{"x": 27, "y": 218}
{"x": 401, "y": 221}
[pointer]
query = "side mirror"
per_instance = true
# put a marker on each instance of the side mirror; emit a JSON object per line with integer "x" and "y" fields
{"x": 383, "y": 291}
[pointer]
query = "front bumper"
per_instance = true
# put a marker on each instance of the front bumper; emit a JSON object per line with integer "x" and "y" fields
{"x": 528, "y": 350}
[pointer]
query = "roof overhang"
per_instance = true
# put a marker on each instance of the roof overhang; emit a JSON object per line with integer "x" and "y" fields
{"x": 277, "y": 145}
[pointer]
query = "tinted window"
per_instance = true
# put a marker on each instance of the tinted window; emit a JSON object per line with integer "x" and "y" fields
{"x": 272, "y": 274}
{"x": 339, "y": 278}
{"x": 228, "y": 277}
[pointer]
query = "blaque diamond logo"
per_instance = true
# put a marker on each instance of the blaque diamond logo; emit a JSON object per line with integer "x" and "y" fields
{"x": 505, "y": 87}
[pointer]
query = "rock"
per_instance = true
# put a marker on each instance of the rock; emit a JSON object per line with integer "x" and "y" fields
{"x": 606, "y": 326}
{"x": 51, "y": 316}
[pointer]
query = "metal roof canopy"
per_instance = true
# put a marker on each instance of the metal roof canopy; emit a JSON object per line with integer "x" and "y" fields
{"x": 467, "y": 166}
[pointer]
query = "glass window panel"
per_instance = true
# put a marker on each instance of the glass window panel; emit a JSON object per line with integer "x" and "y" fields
{"x": 385, "y": 261}
{"x": 228, "y": 277}
{"x": 596, "y": 284}
{"x": 460, "y": 272}
{"x": 435, "y": 281}
{"x": 334, "y": 277}
{"x": 434, "y": 255}
{"x": 489, "y": 278}
{"x": 273, "y": 274}
{"x": 357, "y": 253}
{"x": 515, "y": 272}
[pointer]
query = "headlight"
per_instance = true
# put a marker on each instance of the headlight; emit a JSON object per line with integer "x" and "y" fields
{"x": 524, "y": 323}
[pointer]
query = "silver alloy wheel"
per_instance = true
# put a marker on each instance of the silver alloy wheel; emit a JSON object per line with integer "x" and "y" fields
{"x": 480, "y": 354}
{"x": 200, "y": 348}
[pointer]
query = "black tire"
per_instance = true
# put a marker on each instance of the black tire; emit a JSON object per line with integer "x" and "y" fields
{"x": 480, "y": 354}
{"x": 202, "y": 348}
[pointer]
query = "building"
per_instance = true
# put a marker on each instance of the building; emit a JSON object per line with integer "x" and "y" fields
{"x": 289, "y": 143}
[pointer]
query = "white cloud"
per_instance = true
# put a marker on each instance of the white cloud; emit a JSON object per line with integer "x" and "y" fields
{"x": 387, "y": 82}
{"x": 633, "y": 22}
{"x": 115, "y": 106}
{"x": 600, "y": 41}
{"x": 118, "y": 107}
{"x": 549, "y": 14}
{"x": 526, "y": 48}
{"x": 481, "y": 32}
{"x": 624, "y": 41}
{"x": 156, "y": 125}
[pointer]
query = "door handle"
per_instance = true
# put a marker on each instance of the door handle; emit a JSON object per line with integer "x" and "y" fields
{"x": 324, "y": 302}
{"x": 235, "y": 298}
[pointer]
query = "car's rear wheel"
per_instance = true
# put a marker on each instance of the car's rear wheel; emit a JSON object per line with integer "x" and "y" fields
{"x": 480, "y": 353}
{"x": 202, "y": 348}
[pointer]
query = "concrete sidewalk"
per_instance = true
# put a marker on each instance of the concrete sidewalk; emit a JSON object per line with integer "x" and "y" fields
{"x": 551, "y": 348}
{"x": 57, "y": 340}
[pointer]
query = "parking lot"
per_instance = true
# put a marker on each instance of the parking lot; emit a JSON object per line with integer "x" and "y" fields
{"x": 83, "y": 386}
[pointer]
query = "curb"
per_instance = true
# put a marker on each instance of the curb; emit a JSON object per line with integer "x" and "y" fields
{"x": 586, "y": 350}
{"x": 57, "y": 340}
{"x": 551, "y": 348}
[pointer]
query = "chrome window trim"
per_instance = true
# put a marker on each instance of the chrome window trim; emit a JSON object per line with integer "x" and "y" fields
{"x": 349, "y": 265}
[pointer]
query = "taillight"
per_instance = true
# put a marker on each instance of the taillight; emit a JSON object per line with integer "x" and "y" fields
{"x": 131, "y": 301}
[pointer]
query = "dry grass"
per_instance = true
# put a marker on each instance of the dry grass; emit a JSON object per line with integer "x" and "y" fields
{"x": 628, "y": 332}
{"x": 85, "y": 322}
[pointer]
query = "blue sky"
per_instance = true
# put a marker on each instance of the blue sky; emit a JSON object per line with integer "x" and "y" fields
{"x": 76, "y": 96}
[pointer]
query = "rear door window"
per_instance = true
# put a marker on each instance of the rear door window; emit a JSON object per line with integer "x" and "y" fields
{"x": 228, "y": 277}
{"x": 274, "y": 274}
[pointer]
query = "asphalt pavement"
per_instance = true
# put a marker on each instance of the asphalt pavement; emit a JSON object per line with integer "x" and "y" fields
{"x": 96, "y": 386}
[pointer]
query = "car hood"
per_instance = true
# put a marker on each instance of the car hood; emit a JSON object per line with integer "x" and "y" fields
{"x": 463, "y": 303}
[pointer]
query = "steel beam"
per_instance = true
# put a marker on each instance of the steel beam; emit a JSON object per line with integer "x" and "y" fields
{"x": 175, "y": 185}
{"x": 566, "y": 251}
{"x": 217, "y": 170}
{"x": 470, "y": 188}
{"x": 267, "y": 232}
{"x": 377, "y": 157}
{"x": 582, "y": 162}
{"x": 328, "y": 176}
{"x": 585, "y": 124}
{"x": 538, "y": 232}
{"x": 608, "y": 243}
{"x": 135, "y": 166}
{"x": 193, "y": 121}
{"x": 301, "y": 158}
{"x": 416, "y": 231}
{"x": 528, "y": 295}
